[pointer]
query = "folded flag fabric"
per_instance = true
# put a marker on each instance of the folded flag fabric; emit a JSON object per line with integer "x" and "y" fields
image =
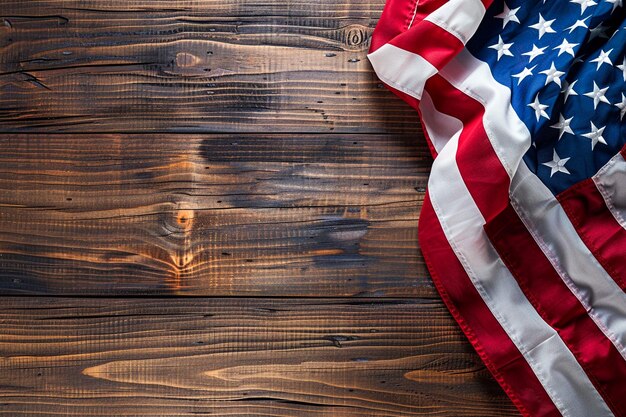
{"x": 523, "y": 226}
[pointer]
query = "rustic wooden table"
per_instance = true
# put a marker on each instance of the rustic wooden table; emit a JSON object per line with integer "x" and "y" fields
{"x": 210, "y": 208}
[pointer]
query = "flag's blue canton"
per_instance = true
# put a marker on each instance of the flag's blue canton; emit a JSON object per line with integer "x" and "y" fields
{"x": 564, "y": 61}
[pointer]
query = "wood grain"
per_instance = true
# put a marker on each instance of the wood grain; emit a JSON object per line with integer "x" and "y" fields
{"x": 203, "y": 66}
{"x": 243, "y": 357}
{"x": 287, "y": 215}
{"x": 240, "y": 160}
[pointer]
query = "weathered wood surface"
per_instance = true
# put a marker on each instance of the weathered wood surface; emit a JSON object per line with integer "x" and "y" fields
{"x": 332, "y": 215}
{"x": 210, "y": 66}
{"x": 239, "y": 357}
{"x": 210, "y": 152}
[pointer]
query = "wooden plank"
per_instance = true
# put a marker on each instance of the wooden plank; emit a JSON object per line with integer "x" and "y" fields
{"x": 189, "y": 214}
{"x": 210, "y": 66}
{"x": 239, "y": 357}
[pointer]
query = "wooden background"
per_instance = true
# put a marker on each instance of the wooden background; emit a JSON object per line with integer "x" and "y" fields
{"x": 209, "y": 208}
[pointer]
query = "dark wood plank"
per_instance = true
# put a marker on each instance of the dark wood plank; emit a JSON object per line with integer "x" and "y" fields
{"x": 211, "y": 66}
{"x": 239, "y": 357}
{"x": 287, "y": 215}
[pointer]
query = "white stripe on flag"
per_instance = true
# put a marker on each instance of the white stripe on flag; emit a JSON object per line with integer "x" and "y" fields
{"x": 402, "y": 70}
{"x": 459, "y": 17}
{"x": 610, "y": 182}
{"x": 439, "y": 126}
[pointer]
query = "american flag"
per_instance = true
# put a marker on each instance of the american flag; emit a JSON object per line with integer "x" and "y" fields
{"x": 523, "y": 227}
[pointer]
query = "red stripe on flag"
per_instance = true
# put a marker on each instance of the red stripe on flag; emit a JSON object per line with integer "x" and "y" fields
{"x": 394, "y": 20}
{"x": 417, "y": 38}
{"x": 597, "y": 227}
{"x": 497, "y": 351}
{"x": 558, "y": 306}
{"x": 480, "y": 167}
{"x": 400, "y": 15}
{"x": 424, "y": 8}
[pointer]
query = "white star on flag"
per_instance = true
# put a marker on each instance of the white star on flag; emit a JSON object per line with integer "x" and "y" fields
{"x": 552, "y": 75}
{"x": 540, "y": 109}
{"x": 603, "y": 58}
{"x": 534, "y": 53}
{"x": 557, "y": 164}
{"x": 523, "y": 74}
{"x": 567, "y": 47}
{"x": 616, "y": 4}
{"x": 584, "y": 4}
{"x": 595, "y": 135}
{"x": 543, "y": 26}
{"x": 502, "y": 48}
{"x": 598, "y": 95}
{"x": 579, "y": 24}
{"x": 563, "y": 125}
{"x": 508, "y": 15}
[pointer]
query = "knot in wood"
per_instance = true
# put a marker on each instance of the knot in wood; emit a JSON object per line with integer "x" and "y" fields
{"x": 355, "y": 35}
{"x": 184, "y": 219}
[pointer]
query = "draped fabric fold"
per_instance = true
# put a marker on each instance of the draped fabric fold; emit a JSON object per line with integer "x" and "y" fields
{"x": 522, "y": 228}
